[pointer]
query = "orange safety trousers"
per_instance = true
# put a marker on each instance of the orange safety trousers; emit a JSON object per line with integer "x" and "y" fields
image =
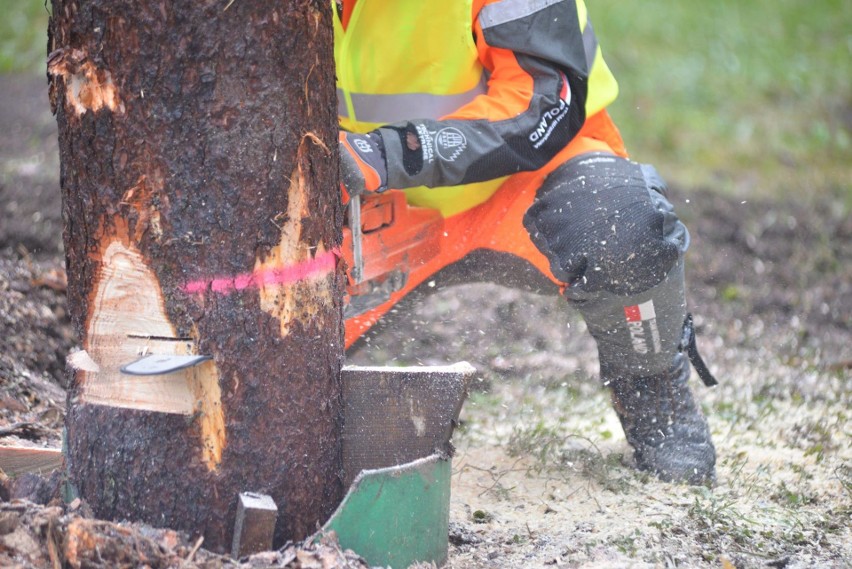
{"x": 497, "y": 224}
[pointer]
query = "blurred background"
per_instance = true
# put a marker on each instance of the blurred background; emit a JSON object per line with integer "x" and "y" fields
{"x": 748, "y": 97}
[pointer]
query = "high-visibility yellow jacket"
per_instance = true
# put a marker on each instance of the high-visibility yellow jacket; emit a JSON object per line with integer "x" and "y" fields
{"x": 467, "y": 92}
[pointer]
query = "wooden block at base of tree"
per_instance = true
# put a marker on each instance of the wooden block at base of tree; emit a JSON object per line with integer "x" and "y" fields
{"x": 15, "y": 460}
{"x": 255, "y": 524}
{"x": 394, "y": 415}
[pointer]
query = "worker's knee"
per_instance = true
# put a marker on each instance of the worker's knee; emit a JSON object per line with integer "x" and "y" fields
{"x": 605, "y": 224}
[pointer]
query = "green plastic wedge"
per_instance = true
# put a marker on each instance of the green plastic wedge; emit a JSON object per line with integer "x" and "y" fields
{"x": 397, "y": 516}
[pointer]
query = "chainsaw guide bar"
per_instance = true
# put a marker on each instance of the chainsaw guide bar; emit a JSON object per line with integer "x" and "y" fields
{"x": 162, "y": 364}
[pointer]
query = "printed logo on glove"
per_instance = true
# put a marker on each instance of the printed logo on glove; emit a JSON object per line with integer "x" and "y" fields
{"x": 362, "y": 164}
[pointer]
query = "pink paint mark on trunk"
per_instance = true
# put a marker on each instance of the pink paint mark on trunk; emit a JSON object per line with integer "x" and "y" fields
{"x": 318, "y": 266}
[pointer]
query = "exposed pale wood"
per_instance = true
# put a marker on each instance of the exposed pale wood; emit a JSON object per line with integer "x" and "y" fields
{"x": 204, "y": 381}
{"x": 128, "y": 321}
{"x": 15, "y": 460}
{"x": 300, "y": 301}
{"x": 396, "y": 415}
{"x": 88, "y": 88}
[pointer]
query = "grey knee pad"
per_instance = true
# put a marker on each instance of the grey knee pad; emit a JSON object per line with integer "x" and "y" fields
{"x": 605, "y": 225}
{"x": 612, "y": 236}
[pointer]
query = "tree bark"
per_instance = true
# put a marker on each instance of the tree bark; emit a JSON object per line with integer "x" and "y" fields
{"x": 201, "y": 217}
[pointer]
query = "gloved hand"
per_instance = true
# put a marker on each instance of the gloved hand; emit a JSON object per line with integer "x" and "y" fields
{"x": 362, "y": 164}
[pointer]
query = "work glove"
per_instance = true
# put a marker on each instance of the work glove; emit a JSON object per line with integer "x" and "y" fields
{"x": 362, "y": 164}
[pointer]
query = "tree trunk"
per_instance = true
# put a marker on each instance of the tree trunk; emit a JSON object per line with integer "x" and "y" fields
{"x": 201, "y": 217}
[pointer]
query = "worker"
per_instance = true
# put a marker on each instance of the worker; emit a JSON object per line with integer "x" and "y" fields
{"x": 494, "y": 112}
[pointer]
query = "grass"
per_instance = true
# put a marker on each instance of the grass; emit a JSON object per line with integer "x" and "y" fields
{"x": 746, "y": 97}
{"x": 782, "y": 526}
{"x": 553, "y": 451}
{"x": 23, "y": 36}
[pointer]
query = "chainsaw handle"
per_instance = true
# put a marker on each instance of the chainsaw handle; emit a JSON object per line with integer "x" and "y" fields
{"x": 357, "y": 246}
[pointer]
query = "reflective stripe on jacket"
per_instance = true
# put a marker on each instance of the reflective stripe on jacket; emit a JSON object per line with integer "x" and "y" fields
{"x": 466, "y": 92}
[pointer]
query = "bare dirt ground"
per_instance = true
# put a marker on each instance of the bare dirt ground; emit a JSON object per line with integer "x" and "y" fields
{"x": 542, "y": 475}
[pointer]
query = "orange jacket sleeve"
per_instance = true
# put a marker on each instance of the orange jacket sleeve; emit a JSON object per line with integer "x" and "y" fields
{"x": 537, "y": 71}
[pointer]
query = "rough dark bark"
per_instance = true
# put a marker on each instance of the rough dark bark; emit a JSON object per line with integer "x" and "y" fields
{"x": 201, "y": 216}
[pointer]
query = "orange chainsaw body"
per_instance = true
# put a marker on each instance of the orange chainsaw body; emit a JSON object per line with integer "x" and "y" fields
{"x": 395, "y": 238}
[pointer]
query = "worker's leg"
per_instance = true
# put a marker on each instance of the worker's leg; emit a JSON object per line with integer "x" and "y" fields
{"x": 612, "y": 237}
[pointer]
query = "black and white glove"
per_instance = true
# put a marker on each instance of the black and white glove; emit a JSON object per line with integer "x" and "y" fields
{"x": 363, "y": 167}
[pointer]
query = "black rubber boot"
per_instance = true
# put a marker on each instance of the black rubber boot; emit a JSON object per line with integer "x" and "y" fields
{"x": 665, "y": 427}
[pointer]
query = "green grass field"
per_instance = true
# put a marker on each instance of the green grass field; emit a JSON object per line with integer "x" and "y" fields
{"x": 748, "y": 97}
{"x": 753, "y": 97}
{"x": 23, "y": 36}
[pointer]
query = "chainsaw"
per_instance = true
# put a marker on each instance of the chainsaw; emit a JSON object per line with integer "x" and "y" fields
{"x": 384, "y": 238}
